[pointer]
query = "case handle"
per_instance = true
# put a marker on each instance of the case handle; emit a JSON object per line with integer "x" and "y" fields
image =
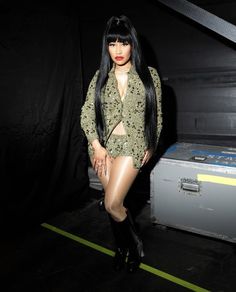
{"x": 190, "y": 185}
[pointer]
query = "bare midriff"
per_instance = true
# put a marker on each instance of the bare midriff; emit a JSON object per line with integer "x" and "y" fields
{"x": 119, "y": 129}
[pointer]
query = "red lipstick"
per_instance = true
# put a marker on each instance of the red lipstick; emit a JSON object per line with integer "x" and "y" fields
{"x": 119, "y": 58}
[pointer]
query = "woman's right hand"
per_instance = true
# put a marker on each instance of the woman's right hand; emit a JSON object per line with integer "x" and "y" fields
{"x": 99, "y": 158}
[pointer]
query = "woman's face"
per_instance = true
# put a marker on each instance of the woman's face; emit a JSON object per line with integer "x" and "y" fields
{"x": 120, "y": 53}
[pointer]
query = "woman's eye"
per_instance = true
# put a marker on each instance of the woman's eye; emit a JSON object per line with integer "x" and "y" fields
{"x": 111, "y": 44}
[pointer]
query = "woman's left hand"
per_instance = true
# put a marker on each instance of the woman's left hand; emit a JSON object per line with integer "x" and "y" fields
{"x": 148, "y": 154}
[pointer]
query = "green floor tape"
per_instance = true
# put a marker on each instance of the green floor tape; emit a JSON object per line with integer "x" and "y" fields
{"x": 109, "y": 252}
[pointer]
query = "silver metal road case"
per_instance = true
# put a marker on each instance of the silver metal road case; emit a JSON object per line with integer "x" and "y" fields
{"x": 193, "y": 188}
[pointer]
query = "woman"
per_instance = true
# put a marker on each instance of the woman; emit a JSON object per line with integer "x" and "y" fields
{"x": 122, "y": 120}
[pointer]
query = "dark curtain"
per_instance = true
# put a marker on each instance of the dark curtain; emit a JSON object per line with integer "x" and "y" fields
{"x": 43, "y": 158}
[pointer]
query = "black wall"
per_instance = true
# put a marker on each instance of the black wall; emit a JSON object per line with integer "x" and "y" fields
{"x": 43, "y": 158}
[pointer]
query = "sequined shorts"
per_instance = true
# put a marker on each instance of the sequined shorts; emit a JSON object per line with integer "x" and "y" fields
{"x": 118, "y": 145}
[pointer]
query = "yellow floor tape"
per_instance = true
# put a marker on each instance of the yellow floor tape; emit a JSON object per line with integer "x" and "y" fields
{"x": 109, "y": 252}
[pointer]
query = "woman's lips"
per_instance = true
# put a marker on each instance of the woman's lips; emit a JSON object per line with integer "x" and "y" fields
{"x": 119, "y": 58}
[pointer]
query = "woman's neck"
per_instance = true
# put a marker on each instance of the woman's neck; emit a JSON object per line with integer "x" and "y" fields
{"x": 122, "y": 69}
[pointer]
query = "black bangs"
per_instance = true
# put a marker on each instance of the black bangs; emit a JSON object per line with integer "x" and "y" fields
{"x": 118, "y": 33}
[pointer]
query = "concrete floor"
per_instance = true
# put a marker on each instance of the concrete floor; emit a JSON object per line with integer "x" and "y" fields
{"x": 73, "y": 252}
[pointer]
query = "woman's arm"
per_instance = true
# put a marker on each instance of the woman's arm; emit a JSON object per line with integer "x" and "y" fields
{"x": 87, "y": 117}
{"x": 157, "y": 85}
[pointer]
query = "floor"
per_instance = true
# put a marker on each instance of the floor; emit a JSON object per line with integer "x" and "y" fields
{"x": 73, "y": 252}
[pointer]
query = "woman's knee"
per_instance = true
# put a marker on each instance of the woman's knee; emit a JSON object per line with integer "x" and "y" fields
{"x": 112, "y": 207}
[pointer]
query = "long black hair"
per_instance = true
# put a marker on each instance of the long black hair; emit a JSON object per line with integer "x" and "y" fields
{"x": 121, "y": 29}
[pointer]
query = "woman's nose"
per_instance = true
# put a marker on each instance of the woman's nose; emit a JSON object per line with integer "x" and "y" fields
{"x": 118, "y": 49}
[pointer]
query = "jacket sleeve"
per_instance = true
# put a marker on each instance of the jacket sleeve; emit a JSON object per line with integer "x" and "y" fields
{"x": 157, "y": 85}
{"x": 87, "y": 117}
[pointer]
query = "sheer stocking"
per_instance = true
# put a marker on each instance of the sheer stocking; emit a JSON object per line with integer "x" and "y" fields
{"x": 116, "y": 182}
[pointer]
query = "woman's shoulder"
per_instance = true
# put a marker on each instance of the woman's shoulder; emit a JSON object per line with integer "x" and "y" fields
{"x": 93, "y": 80}
{"x": 154, "y": 72}
{"x": 96, "y": 73}
{"x": 94, "y": 77}
{"x": 152, "y": 69}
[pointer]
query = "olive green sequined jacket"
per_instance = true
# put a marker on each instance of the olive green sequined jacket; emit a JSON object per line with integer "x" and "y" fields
{"x": 130, "y": 111}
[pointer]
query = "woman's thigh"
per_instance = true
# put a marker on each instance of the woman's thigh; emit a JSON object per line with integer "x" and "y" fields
{"x": 121, "y": 177}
